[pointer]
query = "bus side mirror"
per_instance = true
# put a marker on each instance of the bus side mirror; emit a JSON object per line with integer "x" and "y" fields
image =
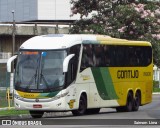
{"x": 66, "y": 62}
{"x": 9, "y": 63}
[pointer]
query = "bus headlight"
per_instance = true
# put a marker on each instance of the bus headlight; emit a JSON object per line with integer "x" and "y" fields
{"x": 60, "y": 96}
{"x": 18, "y": 97}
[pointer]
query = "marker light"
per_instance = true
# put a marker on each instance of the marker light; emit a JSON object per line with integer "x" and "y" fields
{"x": 30, "y": 53}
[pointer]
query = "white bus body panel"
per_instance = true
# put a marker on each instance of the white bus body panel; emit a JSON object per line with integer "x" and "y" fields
{"x": 84, "y": 82}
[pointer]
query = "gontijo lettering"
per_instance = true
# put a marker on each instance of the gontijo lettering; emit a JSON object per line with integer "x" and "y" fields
{"x": 124, "y": 74}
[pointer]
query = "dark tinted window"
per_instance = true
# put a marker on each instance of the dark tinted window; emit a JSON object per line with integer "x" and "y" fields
{"x": 73, "y": 64}
{"x": 87, "y": 57}
{"x": 115, "y": 56}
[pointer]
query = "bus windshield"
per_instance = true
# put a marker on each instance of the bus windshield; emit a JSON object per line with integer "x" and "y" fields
{"x": 40, "y": 71}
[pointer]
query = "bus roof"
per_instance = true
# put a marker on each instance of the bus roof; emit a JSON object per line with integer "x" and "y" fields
{"x": 62, "y": 41}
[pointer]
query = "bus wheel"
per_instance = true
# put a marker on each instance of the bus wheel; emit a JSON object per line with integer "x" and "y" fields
{"x": 136, "y": 102}
{"x": 93, "y": 111}
{"x": 82, "y": 106}
{"x": 36, "y": 114}
{"x": 129, "y": 104}
{"x": 120, "y": 109}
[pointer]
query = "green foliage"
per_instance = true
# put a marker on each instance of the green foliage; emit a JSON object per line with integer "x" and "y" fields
{"x": 155, "y": 84}
{"x": 156, "y": 89}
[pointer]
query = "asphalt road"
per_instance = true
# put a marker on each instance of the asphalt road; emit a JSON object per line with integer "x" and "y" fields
{"x": 146, "y": 115}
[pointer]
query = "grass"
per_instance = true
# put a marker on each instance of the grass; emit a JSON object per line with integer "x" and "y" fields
{"x": 156, "y": 89}
{"x": 4, "y": 103}
{"x": 12, "y": 112}
{"x": 3, "y": 100}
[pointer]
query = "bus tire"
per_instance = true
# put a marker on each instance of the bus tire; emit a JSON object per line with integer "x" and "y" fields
{"x": 82, "y": 106}
{"x": 36, "y": 114}
{"x": 120, "y": 109}
{"x": 129, "y": 103}
{"x": 93, "y": 111}
{"x": 136, "y": 102}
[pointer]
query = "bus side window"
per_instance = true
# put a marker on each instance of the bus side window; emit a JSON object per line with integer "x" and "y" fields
{"x": 87, "y": 57}
{"x": 98, "y": 53}
{"x": 73, "y": 64}
{"x": 70, "y": 73}
{"x": 147, "y": 55}
{"x": 120, "y": 56}
{"x": 107, "y": 56}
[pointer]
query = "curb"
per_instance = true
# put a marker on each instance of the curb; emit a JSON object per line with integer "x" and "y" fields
{"x": 156, "y": 93}
{"x": 22, "y": 116}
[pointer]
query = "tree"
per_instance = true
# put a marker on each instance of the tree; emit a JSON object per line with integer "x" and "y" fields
{"x": 128, "y": 19}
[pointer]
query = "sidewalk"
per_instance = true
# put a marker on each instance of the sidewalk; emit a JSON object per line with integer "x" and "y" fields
{"x": 155, "y": 93}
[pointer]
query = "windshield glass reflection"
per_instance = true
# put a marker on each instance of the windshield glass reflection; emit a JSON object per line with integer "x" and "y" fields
{"x": 40, "y": 70}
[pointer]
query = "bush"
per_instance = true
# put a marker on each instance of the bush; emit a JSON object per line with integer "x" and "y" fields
{"x": 155, "y": 84}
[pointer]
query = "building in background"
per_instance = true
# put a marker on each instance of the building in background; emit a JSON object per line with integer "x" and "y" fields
{"x": 35, "y": 10}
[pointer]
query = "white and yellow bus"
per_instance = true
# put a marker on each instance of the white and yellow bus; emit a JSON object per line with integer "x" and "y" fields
{"x": 82, "y": 73}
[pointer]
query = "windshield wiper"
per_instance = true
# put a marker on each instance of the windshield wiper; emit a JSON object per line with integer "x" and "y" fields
{"x": 30, "y": 82}
{"x": 45, "y": 81}
{"x": 33, "y": 78}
